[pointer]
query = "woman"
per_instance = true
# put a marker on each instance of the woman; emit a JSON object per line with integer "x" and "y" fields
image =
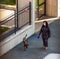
{"x": 45, "y": 32}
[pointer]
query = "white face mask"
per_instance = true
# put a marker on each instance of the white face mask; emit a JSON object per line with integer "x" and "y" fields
{"x": 44, "y": 24}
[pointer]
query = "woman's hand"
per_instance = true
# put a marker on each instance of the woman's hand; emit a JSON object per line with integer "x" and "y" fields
{"x": 38, "y": 36}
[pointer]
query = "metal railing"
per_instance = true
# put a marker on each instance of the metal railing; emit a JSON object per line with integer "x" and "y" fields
{"x": 16, "y": 21}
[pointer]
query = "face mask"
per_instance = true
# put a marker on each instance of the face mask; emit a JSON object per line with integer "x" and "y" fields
{"x": 44, "y": 24}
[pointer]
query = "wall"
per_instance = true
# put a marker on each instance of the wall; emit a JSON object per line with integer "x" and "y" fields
{"x": 58, "y": 8}
{"x": 51, "y": 7}
{"x": 23, "y": 3}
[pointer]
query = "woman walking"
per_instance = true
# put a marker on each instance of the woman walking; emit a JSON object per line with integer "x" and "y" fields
{"x": 45, "y": 32}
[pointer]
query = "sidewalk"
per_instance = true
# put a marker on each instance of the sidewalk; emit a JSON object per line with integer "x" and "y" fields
{"x": 34, "y": 50}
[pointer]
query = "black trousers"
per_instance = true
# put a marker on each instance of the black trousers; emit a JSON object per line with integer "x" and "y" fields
{"x": 45, "y": 42}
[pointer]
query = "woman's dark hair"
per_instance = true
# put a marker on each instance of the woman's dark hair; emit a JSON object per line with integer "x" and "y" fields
{"x": 46, "y": 23}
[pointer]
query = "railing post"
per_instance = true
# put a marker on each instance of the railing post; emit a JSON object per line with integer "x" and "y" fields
{"x": 45, "y": 8}
{"x": 17, "y": 12}
{"x": 15, "y": 22}
{"x": 29, "y": 13}
{"x": 38, "y": 9}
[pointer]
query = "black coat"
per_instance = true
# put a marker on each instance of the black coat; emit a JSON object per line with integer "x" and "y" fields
{"x": 45, "y": 32}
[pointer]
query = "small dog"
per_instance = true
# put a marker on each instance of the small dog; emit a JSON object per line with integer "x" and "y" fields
{"x": 25, "y": 42}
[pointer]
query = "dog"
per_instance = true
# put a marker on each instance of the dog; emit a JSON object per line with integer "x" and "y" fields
{"x": 25, "y": 42}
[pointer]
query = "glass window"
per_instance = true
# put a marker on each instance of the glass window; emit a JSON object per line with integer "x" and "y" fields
{"x": 41, "y": 1}
{"x": 41, "y": 10}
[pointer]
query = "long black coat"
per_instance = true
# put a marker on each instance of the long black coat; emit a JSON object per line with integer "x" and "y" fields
{"x": 45, "y": 32}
